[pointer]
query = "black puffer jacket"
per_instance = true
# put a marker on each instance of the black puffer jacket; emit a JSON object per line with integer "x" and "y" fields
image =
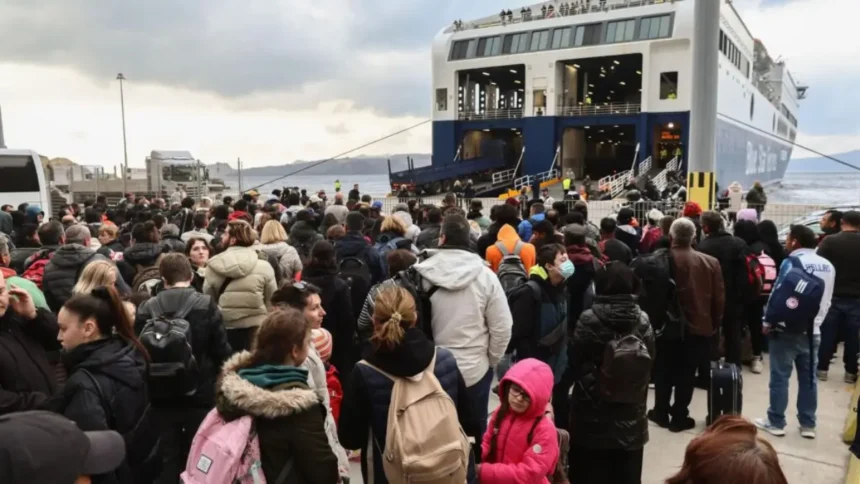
{"x": 63, "y": 271}
{"x": 303, "y": 236}
{"x": 339, "y": 319}
{"x": 595, "y": 424}
{"x": 141, "y": 255}
{"x": 173, "y": 243}
{"x": 107, "y": 389}
{"x": 290, "y": 424}
{"x": 208, "y": 340}
{"x": 26, "y": 376}
{"x": 355, "y": 245}
{"x": 731, "y": 252}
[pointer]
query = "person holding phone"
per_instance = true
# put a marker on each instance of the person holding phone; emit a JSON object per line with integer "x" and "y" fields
{"x": 26, "y": 335}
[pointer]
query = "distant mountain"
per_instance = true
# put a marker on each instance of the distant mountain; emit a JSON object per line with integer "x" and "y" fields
{"x": 820, "y": 164}
{"x": 360, "y": 165}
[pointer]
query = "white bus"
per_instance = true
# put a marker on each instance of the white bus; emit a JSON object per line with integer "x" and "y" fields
{"x": 22, "y": 179}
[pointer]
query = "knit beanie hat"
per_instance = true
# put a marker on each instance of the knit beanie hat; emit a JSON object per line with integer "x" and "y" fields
{"x": 321, "y": 340}
{"x": 692, "y": 209}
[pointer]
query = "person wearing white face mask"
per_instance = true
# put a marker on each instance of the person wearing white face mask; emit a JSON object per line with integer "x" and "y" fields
{"x": 539, "y": 310}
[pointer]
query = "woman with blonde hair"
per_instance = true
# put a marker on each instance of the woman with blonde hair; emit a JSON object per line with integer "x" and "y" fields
{"x": 392, "y": 236}
{"x": 401, "y": 350}
{"x": 100, "y": 273}
{"x": 273, "y": 238}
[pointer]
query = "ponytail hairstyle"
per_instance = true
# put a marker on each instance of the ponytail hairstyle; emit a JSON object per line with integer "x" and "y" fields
{"x": 394, "y": 312}
{"x": 104, "y": 305}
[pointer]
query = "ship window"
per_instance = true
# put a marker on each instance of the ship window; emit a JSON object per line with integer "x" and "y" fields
{"x": 442, "y": 99}
{"x": 560, "y": 38}
{"x": 654, "y": 27}
{"x": 620, "y": 31}
{"x": 669, "y": 85}
{"x": 516, "y": 43}
{"x": 587, "y": 35}
{"x": 459, "y": 49}
{"x": 540, "y": 40}
{"x": 489, "y": 46}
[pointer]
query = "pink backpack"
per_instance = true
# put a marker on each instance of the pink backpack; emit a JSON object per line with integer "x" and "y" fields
{"x": 227, "y": 452}
{"x": 770, "y": 272}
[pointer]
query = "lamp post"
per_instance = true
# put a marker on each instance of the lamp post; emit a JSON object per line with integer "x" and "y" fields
{"x": 121, "y": 78}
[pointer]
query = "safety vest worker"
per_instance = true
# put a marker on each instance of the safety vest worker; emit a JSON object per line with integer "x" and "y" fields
{"x": 566, "y": 184}
{"x": 672, "y": 95}
{"x": 678, "y": 152}
{"x": 337, "y": 185}
{"x": 664, "y": 153}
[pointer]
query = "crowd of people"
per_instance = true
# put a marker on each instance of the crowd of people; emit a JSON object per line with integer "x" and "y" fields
{"x": 292, "y": 333}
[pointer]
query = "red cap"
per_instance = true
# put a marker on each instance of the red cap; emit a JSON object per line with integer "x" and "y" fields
{"x": 692, "y": 209}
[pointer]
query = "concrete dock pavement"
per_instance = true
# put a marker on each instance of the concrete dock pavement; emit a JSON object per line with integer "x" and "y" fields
{"x": 823, "y": 460}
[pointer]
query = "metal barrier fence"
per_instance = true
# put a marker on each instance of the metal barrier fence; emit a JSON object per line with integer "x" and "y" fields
{"x": 780, "y": 214}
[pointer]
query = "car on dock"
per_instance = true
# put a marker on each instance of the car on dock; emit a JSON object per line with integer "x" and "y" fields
{"x": 813, "y": 220}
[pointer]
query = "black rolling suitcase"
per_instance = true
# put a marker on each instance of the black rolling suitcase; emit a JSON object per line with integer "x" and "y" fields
{"x": 725, "y": 394}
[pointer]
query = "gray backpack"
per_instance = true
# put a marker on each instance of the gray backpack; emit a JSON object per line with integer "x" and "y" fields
{"x": 512, "y": 272}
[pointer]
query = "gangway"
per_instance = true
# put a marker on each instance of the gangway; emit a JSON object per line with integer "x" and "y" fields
{"x": 505, "y": 176}
{"x": 615, "y": 183}
{"x": 661, "y": 180}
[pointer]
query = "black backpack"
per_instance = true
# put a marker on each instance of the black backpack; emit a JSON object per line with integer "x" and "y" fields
{"x": 173, "y": 370}
{"x": 658, "y": 296}
{"x": 356, "y": 273}
{"x": 512, "y": 273}
{"x": 413, "y": 282}
{"x": 624, "y": 374}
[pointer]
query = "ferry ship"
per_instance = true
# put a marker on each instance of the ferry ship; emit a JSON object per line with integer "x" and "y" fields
{"x": 599, "y": 88}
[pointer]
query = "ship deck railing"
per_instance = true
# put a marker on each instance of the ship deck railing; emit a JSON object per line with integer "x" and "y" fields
{"x": 662, "y": 180}
{"x": 490, "y": 114}
{"x": 560, "y": 9}
{"x": 600, "y": 109}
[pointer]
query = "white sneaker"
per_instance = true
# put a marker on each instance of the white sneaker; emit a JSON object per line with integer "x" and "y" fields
{"x": 756, "y": 366}
{"x": 807, "y": 432}
{"x": 764, "y": 424}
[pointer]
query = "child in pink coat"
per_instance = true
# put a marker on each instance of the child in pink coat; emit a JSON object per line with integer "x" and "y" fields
{"x": 521, "y": 445}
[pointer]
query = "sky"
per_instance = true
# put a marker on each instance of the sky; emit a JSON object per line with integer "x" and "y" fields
{"x": 273, "y": 81}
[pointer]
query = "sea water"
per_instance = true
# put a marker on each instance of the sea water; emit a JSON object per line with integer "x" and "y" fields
{"x": 803, "y": 188}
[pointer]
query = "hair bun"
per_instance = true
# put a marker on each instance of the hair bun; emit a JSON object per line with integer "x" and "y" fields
{"x": 396, "y": 317}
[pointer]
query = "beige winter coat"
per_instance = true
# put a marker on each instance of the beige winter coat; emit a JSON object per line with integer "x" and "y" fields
{"x": 252, "y": 283}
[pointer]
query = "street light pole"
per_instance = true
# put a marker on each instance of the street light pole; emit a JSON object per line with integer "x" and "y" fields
{"x": 121, "y": 78}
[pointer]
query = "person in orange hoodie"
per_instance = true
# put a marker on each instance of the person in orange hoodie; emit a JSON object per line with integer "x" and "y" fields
{"x": 509, "y": 239}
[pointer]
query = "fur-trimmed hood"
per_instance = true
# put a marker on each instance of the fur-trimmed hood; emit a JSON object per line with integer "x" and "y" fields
{"x": 237, "y": 397}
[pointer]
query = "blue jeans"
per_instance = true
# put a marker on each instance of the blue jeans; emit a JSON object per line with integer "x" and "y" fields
{"x": 479, "y": 394}
{"x": 842, "y": 318}
{"x": 787, "y": 351}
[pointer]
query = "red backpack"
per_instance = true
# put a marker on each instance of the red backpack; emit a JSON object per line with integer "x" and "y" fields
{"x": 36, "y": 271}
{"x": 761, "y": 275}
{"x": 335, "y": 390}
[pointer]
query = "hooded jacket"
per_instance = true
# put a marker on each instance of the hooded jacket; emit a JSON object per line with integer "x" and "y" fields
{"x": 290, "y": 424}
{"x": 26, "y": 377}
{"x": 429, "y": 237}
{"x": 353, "y": 244}
{"x": 470, "y": 311}
{"x": 64, "y": 270}
{"x": 527, "y": 227}
{"x": 736, "y": 195}
{"x": 106, "y": 390}
{"x": 508, "y": 236}
{"x": 628, "y": 235}
{"x": 142, "y": 255}
{"x": 303, "y": 236}
{"x": 174, "y": 243}
{"x": 287, "y": 256}
{"x": 412, "y": 230}
{"x": 208, "y": 340}
{"x": 249, "y": 288}
{"x": 596, "y": 424}
{"x": 368, "y": 394}
{"x": 339, "y": 319}
{"x": 518, "y": 460}
{"x": 757, "y": 198}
